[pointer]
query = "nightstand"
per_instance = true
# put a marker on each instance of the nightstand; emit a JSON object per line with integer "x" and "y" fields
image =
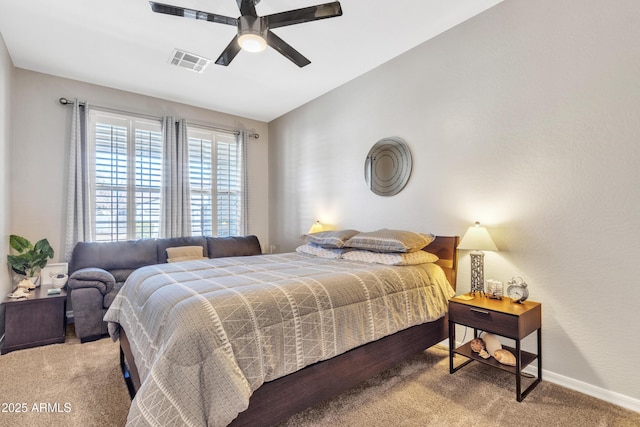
{"x": 500, "y": 317}
{"x": 38, "y": 320}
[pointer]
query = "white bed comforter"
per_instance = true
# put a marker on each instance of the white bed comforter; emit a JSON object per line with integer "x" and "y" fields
{"x": 205, "y": 334}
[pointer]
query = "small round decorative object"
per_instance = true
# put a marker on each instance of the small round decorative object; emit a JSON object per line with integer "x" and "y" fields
{"x": 505, "y": 357}
{"x": 517, "y": 289}
{"x": 59, "y": 280}
{"x": 477, "y": 345}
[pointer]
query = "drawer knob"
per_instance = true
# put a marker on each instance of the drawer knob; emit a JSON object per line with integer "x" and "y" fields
{"x": 475, "y": 310}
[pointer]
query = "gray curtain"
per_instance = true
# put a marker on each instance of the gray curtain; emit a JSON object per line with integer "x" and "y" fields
{"x": 244, "y": 170}
{"x": 80, "y": 215}
{"x": 175, "y": 211}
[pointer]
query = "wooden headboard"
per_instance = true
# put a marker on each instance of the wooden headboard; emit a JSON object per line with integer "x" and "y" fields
{"x": 446, "y": 248}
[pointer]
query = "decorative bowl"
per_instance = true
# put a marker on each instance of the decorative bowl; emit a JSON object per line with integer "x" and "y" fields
{"x": 59, "y": 280}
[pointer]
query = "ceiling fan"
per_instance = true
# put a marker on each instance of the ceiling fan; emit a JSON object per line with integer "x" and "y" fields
{"x": 254, "y": 32}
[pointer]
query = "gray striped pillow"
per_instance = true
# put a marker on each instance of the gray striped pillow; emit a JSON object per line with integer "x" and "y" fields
{"x": 330, "y": 239}
{"x": 386, "y": 240}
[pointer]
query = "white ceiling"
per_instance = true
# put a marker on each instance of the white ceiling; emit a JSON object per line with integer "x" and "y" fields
{"x": 124, "y": 45}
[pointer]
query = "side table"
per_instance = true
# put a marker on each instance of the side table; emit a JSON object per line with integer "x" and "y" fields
{"x": 38, "y": 320}
{"x": 500, "y": 317}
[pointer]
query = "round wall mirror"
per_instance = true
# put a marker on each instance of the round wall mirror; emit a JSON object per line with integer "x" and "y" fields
{"x": 388, "y": 166}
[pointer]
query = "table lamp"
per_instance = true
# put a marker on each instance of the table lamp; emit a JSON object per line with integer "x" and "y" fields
{"x": 477, "y": 239}
{"x": 316, "y": 227}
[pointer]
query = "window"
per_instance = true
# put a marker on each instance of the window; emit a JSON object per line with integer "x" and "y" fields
{"x": 128, "y": 178}
{"x": 128, "y": 175}
{"x": 216, "y": 183}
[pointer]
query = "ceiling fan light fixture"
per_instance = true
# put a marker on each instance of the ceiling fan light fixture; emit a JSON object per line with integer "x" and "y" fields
{"x": 254, "y": 32}
{"x": 252, "y": 42}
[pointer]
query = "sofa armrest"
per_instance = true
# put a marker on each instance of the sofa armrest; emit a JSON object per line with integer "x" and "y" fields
{"x": 92, "y": 278}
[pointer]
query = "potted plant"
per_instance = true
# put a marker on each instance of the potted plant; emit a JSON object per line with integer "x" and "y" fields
{"x": 28, "y": 259}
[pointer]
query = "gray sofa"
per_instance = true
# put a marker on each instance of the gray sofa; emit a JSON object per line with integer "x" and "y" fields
{"x": 97, "y": 271}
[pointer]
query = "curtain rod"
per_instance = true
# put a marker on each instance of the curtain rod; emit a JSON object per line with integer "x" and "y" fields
{"x": 65, "y": 101}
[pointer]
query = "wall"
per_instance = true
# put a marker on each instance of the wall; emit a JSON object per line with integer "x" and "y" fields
{"x": 525, "y": 118}
{"x": 6, "y": 79}
{"x": 40, "y": 150}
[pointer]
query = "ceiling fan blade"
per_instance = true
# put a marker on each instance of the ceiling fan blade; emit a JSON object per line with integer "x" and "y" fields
{"x": 306, "y": 14}
{"x": 285, "y": 49}
{"x": 192, "y": 14}
{"x": 229, "y": 52}
{"x": 247, "y": 7}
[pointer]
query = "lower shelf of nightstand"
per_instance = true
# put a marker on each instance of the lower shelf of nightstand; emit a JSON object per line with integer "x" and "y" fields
{"x": 527, "y": 358}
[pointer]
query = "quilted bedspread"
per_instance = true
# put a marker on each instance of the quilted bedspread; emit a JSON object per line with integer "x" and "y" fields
{"x": 206, "y": 334}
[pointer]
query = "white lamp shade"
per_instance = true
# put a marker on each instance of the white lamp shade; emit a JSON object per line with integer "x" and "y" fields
{"x": 316, "y": 227}
{"x": 477, "y": 238}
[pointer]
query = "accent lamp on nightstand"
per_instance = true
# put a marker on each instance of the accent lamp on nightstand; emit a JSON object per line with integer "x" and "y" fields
{"x": 477, "y": 239}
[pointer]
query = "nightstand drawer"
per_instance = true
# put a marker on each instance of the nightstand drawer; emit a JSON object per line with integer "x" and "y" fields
{"x": 481, "y": 318}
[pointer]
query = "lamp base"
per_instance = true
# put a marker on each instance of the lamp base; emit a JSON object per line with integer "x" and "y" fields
{"x": 477, "y": 273}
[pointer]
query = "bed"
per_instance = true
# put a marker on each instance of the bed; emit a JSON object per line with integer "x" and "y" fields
{"x": 259, "y": 378}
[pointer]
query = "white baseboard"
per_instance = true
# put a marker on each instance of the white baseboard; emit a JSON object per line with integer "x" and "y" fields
{"x": 588, "y": 389}
{"x": 581, "y": 387}
{"x": 69, "y": 315}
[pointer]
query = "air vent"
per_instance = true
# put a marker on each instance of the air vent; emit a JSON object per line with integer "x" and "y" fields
{"x": 188, "y": 60}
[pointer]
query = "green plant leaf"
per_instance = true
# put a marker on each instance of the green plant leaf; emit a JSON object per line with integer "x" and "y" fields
{"x": 20, "y": 244}
{"x": 45, "y": 248}
{"x": 17, "y": 264}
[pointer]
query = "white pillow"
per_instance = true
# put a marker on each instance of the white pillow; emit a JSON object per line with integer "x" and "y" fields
{"x": 319, "y": 251}
{"x": 390, "y": 258}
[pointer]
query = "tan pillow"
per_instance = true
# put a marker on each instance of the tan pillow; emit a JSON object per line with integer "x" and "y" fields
{"x": 185, "y": 253}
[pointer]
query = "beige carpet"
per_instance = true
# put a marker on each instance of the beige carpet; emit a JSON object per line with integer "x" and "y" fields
{"x": 421, "y": 392}
{"x": 68, "y": 384}
{"x": 82, "y": 385}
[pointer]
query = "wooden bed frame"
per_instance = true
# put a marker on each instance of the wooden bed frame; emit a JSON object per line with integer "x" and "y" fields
{"x": 277, "y": 400}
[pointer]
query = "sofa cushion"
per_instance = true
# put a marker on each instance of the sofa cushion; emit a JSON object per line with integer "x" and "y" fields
{"x": 114, "y": 255}
{"x": 109, "y": 297}
{"x": 233, "y": 246}
{"x": 121, "y": 274}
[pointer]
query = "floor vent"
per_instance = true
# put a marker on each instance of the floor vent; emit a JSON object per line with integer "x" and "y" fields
{"x": 188, "y": 60}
